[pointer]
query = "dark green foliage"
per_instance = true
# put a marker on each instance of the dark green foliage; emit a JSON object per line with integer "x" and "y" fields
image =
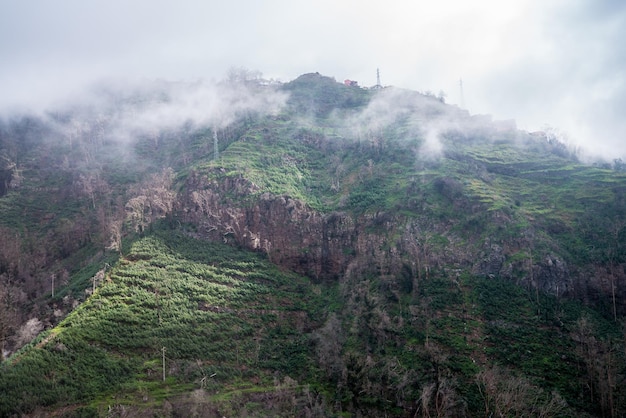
{"x": 204, "y": 302}
{"x": 318, "y": 95}
{"x": 64, "y": 370}
{"x": 245, "y": 324}
{"x": 368, "y": 196}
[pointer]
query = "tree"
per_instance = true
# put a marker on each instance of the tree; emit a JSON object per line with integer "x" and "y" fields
{"x": 617, "y": 225}
{"x": 505, "y": 394}
{"x": 93, "y": 186}
{"x": 439, "y": 399}
{"x": 28, "y": 331}
{"x": 8, "y": 313}
{"x": 329, "y": 344}
{"x": 242, "y": 75}
{"x": 10, "y": 256}
{"x": 601, "y": 370}
{"x": 150, "y": 200}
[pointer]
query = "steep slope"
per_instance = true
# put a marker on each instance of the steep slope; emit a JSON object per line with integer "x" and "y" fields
{"x": 203, "y": 317}
{"x": 430, "y": 262}
{"x": 501, "y": 201}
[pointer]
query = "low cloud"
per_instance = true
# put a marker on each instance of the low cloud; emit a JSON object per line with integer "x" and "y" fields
{"x": 124, "y": 110}
{"x": 199, "y": 104}
{"x": 425, "y": 117}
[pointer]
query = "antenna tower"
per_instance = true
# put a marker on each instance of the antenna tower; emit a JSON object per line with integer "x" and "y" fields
{"x": 378, "y": 85}
{"x": 462, "y": 95}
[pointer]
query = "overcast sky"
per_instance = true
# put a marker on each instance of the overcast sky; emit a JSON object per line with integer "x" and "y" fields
{"x": 560, "y": 63}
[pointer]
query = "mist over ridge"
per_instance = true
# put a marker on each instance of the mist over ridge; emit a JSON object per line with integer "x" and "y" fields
{"x": 125, "y": 109}
{"x": 558, "y": 64}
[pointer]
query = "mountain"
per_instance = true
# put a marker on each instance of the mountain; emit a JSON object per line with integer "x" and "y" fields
{"x": 312, "y": 248}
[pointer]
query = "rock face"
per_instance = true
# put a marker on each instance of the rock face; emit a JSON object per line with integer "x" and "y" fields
{"x": 289, "y": 232}
{"x": 553, "y": 276}
{"x": 293, "y": 235}
{"x": 6, "y": 176}
{"x": 327, "y": 246}
{"x": 491, "y": 262}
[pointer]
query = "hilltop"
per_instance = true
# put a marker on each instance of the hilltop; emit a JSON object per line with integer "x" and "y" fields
{"x": 308, "y": 248}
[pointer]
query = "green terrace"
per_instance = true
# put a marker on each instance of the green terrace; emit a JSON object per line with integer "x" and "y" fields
{"x": 215, "y": 310}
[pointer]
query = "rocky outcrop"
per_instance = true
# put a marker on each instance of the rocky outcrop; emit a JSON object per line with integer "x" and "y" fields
{"x": 552, "y": 275}
{"x": 287, "y": 230}
{"x": 491, "y": 261}
{"x": 7, "y": 172}
{"x": 327, "y": 246}
{"x": 5, "y": 179}
{"x": 297, "y": 237}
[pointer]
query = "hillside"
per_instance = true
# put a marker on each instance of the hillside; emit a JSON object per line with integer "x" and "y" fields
{"x": 342, "y": 252}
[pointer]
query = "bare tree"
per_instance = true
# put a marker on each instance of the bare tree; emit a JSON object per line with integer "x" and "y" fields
{"x": 617, "y": 225}
{"x": 505, "y": 394}
{"x": 8, "y": 313}
{"x": 238, "y": 75}
{"x": 10, "y": 260}
{"x": 329, "y": 344}
{"x": 93, "y": 186}
{"x": 28, "y": 331}
{"x": 439, "y": 399}
{"x": 151, "y": 200}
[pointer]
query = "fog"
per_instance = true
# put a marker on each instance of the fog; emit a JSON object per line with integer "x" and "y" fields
{"x": 129, "y": 110}
{"x": 559, "y": 64}
{"x": 198, "y": 104}
{"x": 424, "y": 118}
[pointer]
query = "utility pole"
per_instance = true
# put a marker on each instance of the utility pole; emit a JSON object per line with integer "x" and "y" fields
{"x": 216, "y": 151}
{"x": 163, "y": 350}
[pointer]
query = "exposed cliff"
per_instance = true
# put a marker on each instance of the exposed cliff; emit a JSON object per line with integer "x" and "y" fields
{"x": 327, "y": 246}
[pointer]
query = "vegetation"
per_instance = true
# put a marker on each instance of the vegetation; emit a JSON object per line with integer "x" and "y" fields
{"x": 229, "y": 321}
{"x": 223, "y": 318}
{"x": 452, "y": 267}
